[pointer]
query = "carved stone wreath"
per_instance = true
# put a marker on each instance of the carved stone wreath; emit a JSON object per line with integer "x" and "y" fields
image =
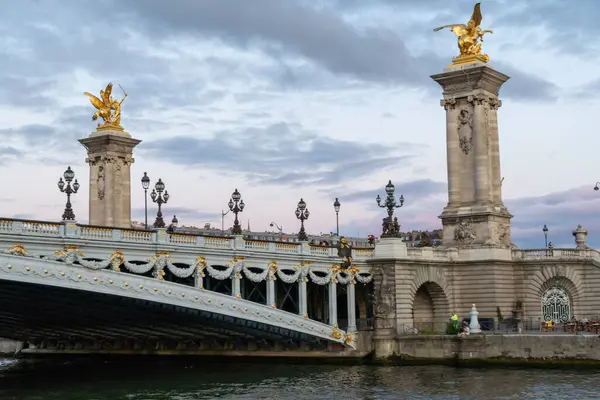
{"x": 502, "y": 233}
{"x": 464, "y": 233}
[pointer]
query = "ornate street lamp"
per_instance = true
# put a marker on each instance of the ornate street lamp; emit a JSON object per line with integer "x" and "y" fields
{"x": 391, "y": 228}
{"x": 145, "y": 185}
{"x": 302, "y": 214}
{"x": 236, "y": 205}
{"x": 596, "y": 188}
{"x": 159, "y": 198}
{"x": 174, "y": 221}
{"x": 274, "y": 224}
{"x": 336, "y": 207}
{"x": 68, "y": 215}
{"x": 545, "y": 230}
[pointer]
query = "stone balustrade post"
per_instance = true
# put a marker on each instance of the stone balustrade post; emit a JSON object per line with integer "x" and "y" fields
{"x": 200, "y": 241}
{"x": 116, "y": 235}
{"x": 17, "y": 227}
{"x": 332, "y": 303}
{"x": 304, "y": 248}
{"x": 161, "y": 235}
{"x": 271, "y": 247}
{"x": 302, "y": 297}
{"x": 70, "y": 228}
{"x": 238, "y": 242}
{"x": 351, "y": 297}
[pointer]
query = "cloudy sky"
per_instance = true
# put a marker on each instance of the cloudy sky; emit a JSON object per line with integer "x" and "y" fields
{"x": 285, "y": 99}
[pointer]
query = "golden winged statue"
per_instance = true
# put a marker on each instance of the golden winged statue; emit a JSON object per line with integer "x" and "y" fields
{"x": 108, "y": 108}
{"x": 470, "y": 37}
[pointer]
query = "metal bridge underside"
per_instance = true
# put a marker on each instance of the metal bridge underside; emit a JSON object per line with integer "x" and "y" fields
{"x": 57, "y": 318}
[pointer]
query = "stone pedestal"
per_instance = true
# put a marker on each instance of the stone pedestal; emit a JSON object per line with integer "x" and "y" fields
{"x": 390, "y": 248}
{"x": 580, "y": 235}
{"x": 110, "y": 155}
{"x": 385, "y": 329}
{"x": 475, "y": 214}
{"x": 474, "y": 323}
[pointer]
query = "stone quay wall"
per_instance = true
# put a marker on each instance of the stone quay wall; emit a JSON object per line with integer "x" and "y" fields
{"x": 510, "y": 348}
{"x": 9, "y": 347}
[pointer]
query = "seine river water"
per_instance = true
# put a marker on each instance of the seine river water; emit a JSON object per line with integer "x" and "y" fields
{"x": 155, "y": 379}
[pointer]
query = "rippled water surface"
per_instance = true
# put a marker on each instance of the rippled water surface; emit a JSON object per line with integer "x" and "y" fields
{"x": 186, "y": 380}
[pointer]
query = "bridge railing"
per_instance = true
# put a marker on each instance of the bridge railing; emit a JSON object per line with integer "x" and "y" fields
{"x": 160, "y": 236}
{"x": 544, "y": 254}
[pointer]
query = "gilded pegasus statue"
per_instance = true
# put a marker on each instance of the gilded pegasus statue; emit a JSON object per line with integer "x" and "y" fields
{"x": 108, "y": 108}
{"x": 469, "y": 36}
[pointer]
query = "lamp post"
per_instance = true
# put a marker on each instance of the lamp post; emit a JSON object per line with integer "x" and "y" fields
{"x": 68, "y": 215}
{"x": 236, "y": 205}
{"x": 174, "y": 221}
{"x": 545, "y": 230}
{"x": 159, "y": 198}
{"x": 146, "y": 185}
{"x": 390, "y": 227}
{"x": 336, "y": 207}
{"x": 596, "y": 188}
{"x": 223, "y": 214}
{"x": 302, "y": 214}
{"x": 272, "y": 224}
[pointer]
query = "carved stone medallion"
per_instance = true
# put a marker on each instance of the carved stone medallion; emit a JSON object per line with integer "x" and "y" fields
{"x": 464, "y": 233}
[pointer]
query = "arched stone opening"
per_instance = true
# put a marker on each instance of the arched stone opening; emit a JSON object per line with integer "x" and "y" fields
{"x": 431, "y": 308}
{"x": 557, "y": 297}
{"x": 559, "y": 276}
{"x": 556, "y": 305}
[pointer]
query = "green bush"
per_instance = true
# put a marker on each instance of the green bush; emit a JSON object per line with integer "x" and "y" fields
{"x": 499, "y": 314}
{"x": 452, "y": 328}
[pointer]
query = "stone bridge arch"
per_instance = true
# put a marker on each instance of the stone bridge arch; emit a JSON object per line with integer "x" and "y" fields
{"x": 429, "y": 299}
{"x": 554, "y": 276}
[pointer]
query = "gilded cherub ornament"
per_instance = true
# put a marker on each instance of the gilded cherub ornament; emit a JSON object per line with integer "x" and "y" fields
{"x": 109, "y": 109}
{"x": 470, "y": 37}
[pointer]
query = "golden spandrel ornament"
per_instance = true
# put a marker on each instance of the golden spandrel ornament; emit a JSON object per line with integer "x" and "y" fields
{"x": 470, "y": 38}
{"x": 108, "y": 108}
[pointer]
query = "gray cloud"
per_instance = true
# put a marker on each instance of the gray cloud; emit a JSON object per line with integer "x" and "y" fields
{"x": 572, "y": 26}
{"x": 320, "y": 35}
{"x": 280, "y": 154}
{"x": 414, "y": 192}
{"x": 8, "y": 154}
{"x": 561, "y": 211}
{"x": 185, "y": 215}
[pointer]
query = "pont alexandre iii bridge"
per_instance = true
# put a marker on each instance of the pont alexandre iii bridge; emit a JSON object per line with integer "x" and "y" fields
{"x": 107, "y": 288}
{"x": 71, "y": 288}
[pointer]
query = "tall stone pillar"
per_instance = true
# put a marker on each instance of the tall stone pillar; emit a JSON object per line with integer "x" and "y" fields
{"x": 110, "y": 155}
{"x": 475, "y": 214}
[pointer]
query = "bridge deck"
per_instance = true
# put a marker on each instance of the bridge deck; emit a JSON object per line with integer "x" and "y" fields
{"x": 45, "y": 302}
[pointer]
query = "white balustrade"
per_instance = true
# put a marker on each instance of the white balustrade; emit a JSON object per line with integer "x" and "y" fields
{"x": 176, "y": 238}
{"x": 6, "y": 225}
{"x": 256, "y": 245}
{"x": 132, "y": 235}
{"x": 93, "y": 232}
{"x": 13, "y": 227}
{"x": 42, "y": 228}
